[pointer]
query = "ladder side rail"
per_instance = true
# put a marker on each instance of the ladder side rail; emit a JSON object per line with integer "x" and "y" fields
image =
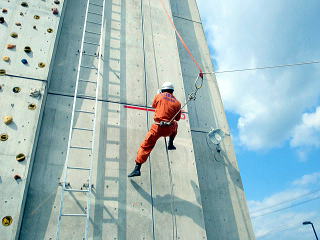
{"x": 72, "y": 122}
{"x": 95, "y": 118}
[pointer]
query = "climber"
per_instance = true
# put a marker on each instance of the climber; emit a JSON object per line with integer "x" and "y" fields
{"x": 166, "y": 107}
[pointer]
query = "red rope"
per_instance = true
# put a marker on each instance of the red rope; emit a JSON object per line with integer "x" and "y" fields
{"x": 181, "y": 39}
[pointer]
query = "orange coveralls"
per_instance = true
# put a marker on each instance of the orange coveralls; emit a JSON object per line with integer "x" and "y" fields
{"x": 166, "y": 106}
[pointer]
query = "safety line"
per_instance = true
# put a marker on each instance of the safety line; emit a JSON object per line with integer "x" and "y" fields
{"x": 181, "y": 39}
{"x": 265, "y": 67}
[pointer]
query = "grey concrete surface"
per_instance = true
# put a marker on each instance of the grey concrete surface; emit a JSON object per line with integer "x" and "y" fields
{"x": 140, "y": 53}
{"x": 223, "y": 199}
{"x": 23, "y": 131}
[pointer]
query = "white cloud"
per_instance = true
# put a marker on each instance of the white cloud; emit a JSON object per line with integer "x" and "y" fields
{"x": 253, "y": 33}
{"x": 308, "y": 179}
{"x": 280, "y": 215}
{"x": 307, "y": 133}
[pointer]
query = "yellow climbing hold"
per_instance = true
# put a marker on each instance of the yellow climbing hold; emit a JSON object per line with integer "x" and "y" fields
{"x": 8, "y": 119}
{"x": 7, "y": 221}
{"x": 20, "y": 157}
{"x": 16, "y": 89}
{"x": 41, "y": 65}
{"x": 14, "y": 35}
{"x": 49, "y": 30}
{"x": 2, "y": 72}
{"x": 4, "y": 137}
{"x": 6, "y": 58}
{"x": 36, "y": 17}
{"x": 32, "y": 106}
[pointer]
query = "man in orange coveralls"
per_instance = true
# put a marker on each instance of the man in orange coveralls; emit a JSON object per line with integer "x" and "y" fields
{"x": 167, "y": 106}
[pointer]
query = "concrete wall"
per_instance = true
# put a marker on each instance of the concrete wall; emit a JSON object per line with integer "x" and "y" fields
{"x": 140, "y": 52}
{"x": 23, "y": 131}
{"x": 223, "y": 199}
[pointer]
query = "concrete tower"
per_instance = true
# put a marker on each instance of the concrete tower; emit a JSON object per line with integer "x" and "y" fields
{"x": 192, "y": 193}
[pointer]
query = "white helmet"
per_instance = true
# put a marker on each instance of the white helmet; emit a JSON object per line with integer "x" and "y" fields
{"x": 167, "y": 86}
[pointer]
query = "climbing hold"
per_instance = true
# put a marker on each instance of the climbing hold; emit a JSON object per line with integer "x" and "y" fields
{"x": 18, "y": 23}
{"x": 4, "y": 137}
{"x": 24, "y": 4}
{"x": 6, "y": 58}
{"x": 27, "y": 49}
{"x": 56, "y": 1}
{"x": 4, "y": 10}
{"x": 2, "y": 72}
{"x": 20, "y": 157}
{"x": 11, "y": 46}
{"x": 36, "y": 93}
{"x": 2, "y": 20}
{"x": 32, "y": 106}
{"x": 16, "y": 89}
{"x": 7, "y": 221}
{"x": 21, "y": 13}
{"x": 55, "y": 11}
{"x": 35, "y": 27}
{"x": 8, "y": 119}
{"x": 24, "y": 61}
{"x": 14, "y": 35}
{"x": 17, "y": 177}
{"x": 36, "y": 17}
{"x": 49, "y": 30}
{"x": 41, "y": 65}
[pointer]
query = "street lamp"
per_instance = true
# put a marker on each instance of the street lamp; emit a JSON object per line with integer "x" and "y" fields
{"x": 307, "y": 223}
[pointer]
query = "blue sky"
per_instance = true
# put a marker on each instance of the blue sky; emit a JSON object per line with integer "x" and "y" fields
{"x": 274, "y": 114}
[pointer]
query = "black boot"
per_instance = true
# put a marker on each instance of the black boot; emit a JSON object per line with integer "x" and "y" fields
{"x": 136, "y": 171}
{"x": 170, "y": 145}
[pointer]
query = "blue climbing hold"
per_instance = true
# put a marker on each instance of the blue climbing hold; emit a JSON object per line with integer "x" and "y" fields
{"x": 24, "y": 61}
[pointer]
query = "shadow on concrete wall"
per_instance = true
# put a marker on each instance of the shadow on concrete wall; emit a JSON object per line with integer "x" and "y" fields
{"x": 104, "y": 215}
{"x": 164, "y": 201}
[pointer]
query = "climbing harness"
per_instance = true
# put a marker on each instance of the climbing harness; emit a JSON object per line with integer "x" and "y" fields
{"x": 191, "y": 97}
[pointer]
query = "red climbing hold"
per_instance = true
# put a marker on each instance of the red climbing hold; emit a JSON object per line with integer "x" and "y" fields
{"x": 11, "y": 46}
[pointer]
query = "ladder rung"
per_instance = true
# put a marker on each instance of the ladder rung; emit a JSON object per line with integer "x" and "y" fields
{"x": 81, "y": 80}
{"x": 88, "y": 54}
{"x": 88, "y": 67}
{"x": 79, "y": 168}
{"x": 74, "y": 215}
{"x": 93, "y": 32}
{"x": 75, "y": 190}
{"x": 83, "y": 129}
{"x": 96, "y": 4}
{"x": 96, "y": 44}
{"x": 95, "y": 13}
{"x": 93, "y": 22}
{"x": 84, "y": 148}
{"x": 84, "y": 111}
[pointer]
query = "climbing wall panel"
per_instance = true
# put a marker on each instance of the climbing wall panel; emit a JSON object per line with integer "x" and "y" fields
{"x": 16, "y": 151}
{"x": 33, "y": 27}
{"x": 29, "y": 32}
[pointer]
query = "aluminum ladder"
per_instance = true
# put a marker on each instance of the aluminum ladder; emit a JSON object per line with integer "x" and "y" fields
{"x": 94, "y": 9}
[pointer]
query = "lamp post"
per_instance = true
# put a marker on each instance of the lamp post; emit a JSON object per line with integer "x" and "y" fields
{"x": 308, "y": 222}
